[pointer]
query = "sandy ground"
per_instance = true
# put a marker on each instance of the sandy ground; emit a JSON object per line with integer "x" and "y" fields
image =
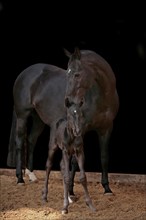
{"x": 24, "y": 202}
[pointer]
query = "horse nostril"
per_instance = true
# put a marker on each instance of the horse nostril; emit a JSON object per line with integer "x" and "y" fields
{"x": 77, "y": 132}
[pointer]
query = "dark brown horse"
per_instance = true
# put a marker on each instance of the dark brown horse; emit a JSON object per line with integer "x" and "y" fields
{"x": 92, "y": 84}
{"x": 38, "y": 94}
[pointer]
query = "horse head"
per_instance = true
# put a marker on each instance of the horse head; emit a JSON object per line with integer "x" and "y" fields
{"x": 76, "y": 74}
{"x": 91, "y": 81}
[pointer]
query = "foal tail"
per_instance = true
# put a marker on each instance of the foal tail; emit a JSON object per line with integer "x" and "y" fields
{"x": 11, "y": 159}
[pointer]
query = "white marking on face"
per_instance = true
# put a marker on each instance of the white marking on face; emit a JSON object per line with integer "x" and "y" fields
{"x": 75, "y": 111}
{"x": 69, "y": 70}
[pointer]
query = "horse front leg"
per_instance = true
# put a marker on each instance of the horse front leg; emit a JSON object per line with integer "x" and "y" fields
{"x": 66, "y": 179}
{"x": 104, "y": 143}
{"x": 20, "y": 139}
{"x": 83, "y": 180}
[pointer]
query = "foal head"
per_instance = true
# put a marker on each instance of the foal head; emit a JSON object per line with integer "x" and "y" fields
{"x": 74, "y": 118}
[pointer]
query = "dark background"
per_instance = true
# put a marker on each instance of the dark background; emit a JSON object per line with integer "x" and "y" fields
{"x": 36, "y": 31}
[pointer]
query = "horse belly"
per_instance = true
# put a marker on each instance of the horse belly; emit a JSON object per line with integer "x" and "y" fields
{"x": 49, "y": 113}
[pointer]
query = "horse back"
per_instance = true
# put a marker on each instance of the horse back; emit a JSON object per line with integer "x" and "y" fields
{"x": 47, "y": 95}
{"x": 32, "y": 81}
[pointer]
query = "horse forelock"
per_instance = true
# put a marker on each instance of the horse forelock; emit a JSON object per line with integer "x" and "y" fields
{"x": 82, "y": 69}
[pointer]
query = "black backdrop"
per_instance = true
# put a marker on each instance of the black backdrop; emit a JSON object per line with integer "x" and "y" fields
{"x": 36, "y": 31}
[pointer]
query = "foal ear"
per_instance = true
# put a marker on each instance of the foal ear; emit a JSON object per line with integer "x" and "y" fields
{"x": 67, "y": 53}
{"x": 67, "y": 102}
{"x": 81, "y": 102}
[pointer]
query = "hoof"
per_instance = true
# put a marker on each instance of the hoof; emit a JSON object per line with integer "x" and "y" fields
{"x": 93, "y": 209}
{"x": 64, "y": 211}
{"x": 107, "y": 189}
{"x": 44, "y": 202}
{"x": 31, "y": 175}
{"x": 72, "y": 198}
{"x": 33, "y": 181}
{"x": 21, "y": 184}
{"x": 91, "y": 206}
{"x": 44, "y": 198}
{"x": 108, "y": 194}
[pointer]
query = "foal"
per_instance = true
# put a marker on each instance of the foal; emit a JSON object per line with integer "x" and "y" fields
{"x": 70, "y": 141}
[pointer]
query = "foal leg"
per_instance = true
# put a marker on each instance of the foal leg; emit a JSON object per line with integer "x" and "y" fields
{"x": 51, "y": 151}
{"x": 104, "y": 142}
{"x": 65, "y": 172}
{"x": 35, "y": 131}
{"x": 74, "y": 168}
{"x": 83, "y": 180}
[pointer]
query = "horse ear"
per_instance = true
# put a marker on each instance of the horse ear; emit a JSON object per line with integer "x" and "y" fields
{"x": 67, "y": 102}
{"x": 67, "y": 53}
{"x": 77, "y": 53}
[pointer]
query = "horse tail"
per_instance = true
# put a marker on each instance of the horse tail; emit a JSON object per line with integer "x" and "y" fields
{"x": 11, "y": 159}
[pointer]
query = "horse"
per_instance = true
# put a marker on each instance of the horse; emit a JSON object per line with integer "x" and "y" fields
{"x": 69, "y": 140}
{"x": 38, "y": 95}
{"x": 91, "y": 81}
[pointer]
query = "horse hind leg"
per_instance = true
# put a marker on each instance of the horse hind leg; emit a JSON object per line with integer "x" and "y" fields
{"x": 20, "y": 140}
{"x": 35, "y": 131}
{"x": 11, "y": 158}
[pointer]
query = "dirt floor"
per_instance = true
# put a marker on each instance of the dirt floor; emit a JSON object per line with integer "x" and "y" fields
{"x": 24, "y": 202}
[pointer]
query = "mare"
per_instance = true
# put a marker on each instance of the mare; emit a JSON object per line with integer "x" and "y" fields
{"x": 90, "y": 80}
{"x": 69, "y": 140}
{"x": 38, "y": 95}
